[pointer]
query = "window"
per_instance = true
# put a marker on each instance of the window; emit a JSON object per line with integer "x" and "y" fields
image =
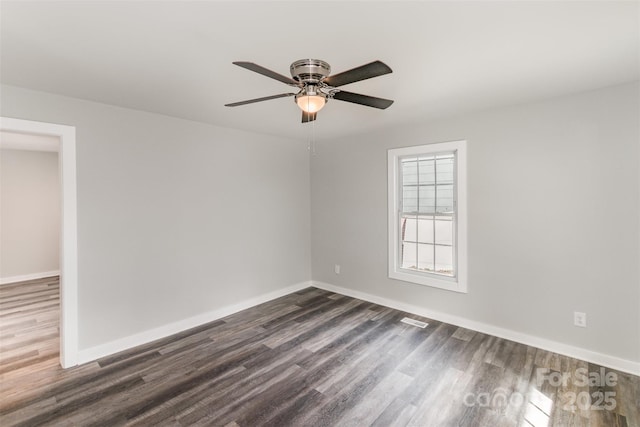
{"x": 427, "y": 215}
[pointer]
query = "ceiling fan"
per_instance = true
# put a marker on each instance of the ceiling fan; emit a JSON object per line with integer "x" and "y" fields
{"x": 316, "y": 85}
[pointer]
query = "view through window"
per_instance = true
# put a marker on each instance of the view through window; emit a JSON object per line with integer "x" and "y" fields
{"x": 427, "y": 222}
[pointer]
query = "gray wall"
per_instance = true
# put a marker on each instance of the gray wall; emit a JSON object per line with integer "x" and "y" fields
{"x": 553, "y": 218}
{"x": 175, "y": 218}
{"x": 178, "y": 218}
{"x": 30, "y": 217}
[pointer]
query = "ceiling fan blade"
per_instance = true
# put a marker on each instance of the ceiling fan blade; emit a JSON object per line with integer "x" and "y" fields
{"x": 369, "y": 101}
{"x": 266, "y": 72}
{"x": 363, "y": 72}
{"x": 266, "y": 98}
{"x": 308, "y": 117}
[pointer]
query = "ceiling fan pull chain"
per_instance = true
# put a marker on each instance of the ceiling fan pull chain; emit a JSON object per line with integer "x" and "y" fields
{"x": 309, "y": 141}
{"x": 313, "y": 138}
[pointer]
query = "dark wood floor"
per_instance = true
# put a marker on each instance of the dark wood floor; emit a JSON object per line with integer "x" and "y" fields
{"x": 312, "y": 358}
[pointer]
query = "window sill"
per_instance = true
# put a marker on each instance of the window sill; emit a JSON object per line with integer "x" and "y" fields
{"x": 449, "y": 284}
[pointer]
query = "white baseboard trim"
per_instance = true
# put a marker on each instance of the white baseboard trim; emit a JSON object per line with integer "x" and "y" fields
{"x": 25, "y": 277}
{"x": 613, "y": 362}
{"x": 102, "y": 350}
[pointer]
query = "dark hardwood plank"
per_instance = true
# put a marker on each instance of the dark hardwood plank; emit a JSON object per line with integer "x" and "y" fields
{"x": 311, "y": 358}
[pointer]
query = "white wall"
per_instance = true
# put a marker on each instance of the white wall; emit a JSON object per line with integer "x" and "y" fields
{"x": 553, "y": 218}
{"x": 30, "y": 217}
{"x": 175, "y": 218}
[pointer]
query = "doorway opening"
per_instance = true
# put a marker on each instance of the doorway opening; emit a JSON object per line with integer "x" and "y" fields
{"x": 68, "y": 227}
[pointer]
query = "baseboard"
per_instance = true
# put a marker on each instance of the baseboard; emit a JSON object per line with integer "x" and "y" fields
{"x": 25, "y": 277}
{"x": 613, "y": 362}
{"x": 102, "y": 350}
{"x": 94, "y": 353}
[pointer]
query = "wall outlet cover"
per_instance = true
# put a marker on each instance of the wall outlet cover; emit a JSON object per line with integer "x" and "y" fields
{"x": 580, "y": 319}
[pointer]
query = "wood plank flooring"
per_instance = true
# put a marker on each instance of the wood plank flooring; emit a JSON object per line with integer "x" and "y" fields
{"x": 311, "y": 358}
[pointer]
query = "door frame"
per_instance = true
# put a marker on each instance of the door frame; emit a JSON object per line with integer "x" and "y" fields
{"x": 68, "y": 231}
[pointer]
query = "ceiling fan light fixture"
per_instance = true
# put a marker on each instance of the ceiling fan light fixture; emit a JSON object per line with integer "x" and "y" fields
{"x": 316, "y": 86}
{"x": 310, "y": 103}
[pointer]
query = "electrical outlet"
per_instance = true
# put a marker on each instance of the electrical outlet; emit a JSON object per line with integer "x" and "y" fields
{"x": 580, "y": 319}
{"x": 337, "y": 268}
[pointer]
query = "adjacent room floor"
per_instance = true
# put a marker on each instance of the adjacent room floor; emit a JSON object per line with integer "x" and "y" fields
{"x": 312, "y": 358}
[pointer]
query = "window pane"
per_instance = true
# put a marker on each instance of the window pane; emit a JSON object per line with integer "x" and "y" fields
{"x": 425, "y": 230}
{"x": 425, "y": 257}
{"x": 444, "y": 260}
{"x": 408, "y": 229}
{"x": 427, "y": 172}
{"x": 444, "y": 167}
{"x": 444, "y": 231}
{"x": 409, "y": 199}
{"x": 409, "y": 172}
{"x": 445, "y": 198}
{"x": 408, "y": 255}
{"x": 427, "y": 199}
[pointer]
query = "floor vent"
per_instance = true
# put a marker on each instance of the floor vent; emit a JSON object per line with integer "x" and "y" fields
{"x": 414, "y": 322}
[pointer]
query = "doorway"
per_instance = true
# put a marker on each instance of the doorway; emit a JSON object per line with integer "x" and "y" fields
{"x": 68, "y": 229}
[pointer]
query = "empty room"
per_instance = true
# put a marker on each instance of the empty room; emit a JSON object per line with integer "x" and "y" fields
{"x": 320, "y": 213}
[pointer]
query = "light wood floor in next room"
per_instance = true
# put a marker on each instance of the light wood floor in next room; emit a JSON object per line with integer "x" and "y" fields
{"x": 312, "y": 358}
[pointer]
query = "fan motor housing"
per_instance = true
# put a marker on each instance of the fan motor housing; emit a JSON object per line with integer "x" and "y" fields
{"x": 310, "y": 70}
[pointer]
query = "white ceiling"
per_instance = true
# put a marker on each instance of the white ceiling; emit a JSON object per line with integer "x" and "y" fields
{"x": 448, "y": 57}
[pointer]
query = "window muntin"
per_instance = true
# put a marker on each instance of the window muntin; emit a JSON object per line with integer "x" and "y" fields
{"x": 427, "y": 215}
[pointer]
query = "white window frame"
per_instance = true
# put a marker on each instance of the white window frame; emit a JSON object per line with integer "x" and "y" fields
{"x": 458, "y": 283}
